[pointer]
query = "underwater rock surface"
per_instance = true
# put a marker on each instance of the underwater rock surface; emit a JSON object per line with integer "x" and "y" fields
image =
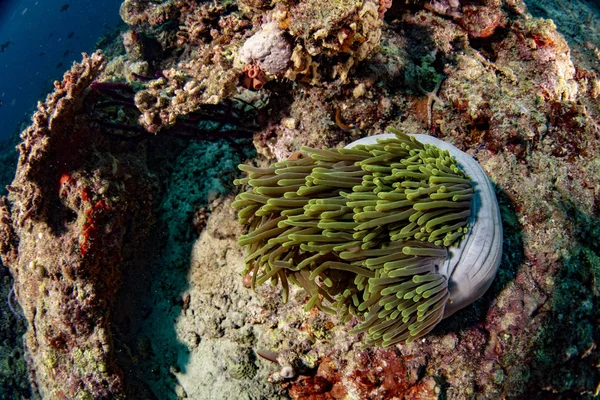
{"x": 70, "y": 225}
{"x": 119, "y": 232}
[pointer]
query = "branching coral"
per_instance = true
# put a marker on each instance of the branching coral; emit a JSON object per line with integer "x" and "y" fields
{"x": 365, "y": 229}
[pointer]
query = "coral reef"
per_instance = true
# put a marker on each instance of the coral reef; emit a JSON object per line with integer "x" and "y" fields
{"x": 341, "y": 34}
{"x": 71, "y": 223}
{"x": 330, "y": 40}
{"x": 13, "y": 366}
{"x": 204, "y": 73}
{"x": 83, "y": 216}
{"x": 13, "y": 369}
{"x": 479, "y": 19}
{"x": 578, "y": 25}
{"x": 8, "y": 156}
{"x": 521, "y": 105}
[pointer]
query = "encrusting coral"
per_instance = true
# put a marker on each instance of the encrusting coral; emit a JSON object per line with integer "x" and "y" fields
{"x": 367, "y": 229}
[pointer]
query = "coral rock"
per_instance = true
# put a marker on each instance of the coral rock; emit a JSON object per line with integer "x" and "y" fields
{"x": 268, "y": 48}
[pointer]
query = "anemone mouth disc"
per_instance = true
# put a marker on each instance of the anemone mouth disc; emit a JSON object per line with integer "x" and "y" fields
{"x": 396, "y": 232}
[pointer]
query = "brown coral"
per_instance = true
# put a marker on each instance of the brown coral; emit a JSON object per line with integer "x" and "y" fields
{"x": 202, "y": 74}
{"x": 205, "y": 79}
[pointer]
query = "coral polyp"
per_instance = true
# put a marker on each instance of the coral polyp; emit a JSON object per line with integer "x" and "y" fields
{"x": 366, "y": 232}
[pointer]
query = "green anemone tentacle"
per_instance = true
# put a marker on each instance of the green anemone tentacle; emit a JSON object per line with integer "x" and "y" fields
{"x": 361, "y": 230}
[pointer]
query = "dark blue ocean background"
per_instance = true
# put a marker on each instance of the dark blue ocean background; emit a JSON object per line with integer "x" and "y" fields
{"x": 39, "y": 40}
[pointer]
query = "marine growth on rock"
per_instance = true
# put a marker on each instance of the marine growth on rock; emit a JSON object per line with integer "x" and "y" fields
{"x": 393, "y": 232}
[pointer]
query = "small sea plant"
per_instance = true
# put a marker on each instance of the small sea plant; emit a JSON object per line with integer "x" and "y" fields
{"x": 379, "y": 231}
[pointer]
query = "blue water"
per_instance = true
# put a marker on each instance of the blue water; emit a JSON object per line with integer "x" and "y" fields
{"x": 39, "y": 40}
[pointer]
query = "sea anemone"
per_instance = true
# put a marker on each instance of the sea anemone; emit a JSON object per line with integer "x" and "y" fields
{"x": 393, "y": 231}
